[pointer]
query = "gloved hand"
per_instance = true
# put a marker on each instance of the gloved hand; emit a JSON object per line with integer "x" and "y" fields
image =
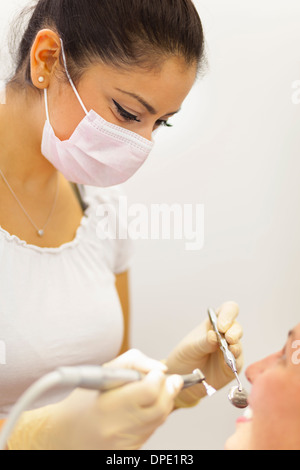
{"x": 121, "y": 419}
{"x": 200, "y": 350}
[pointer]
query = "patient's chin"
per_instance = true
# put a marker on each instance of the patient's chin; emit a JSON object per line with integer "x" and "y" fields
{"x": 241, "y": 439}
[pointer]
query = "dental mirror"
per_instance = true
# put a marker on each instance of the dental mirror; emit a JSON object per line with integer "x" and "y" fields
{"x": 238, "y": 397}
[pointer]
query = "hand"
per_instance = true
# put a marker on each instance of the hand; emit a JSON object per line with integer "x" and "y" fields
{"x": 200, "y": 350}
{"x": 125, "y": 418}
{"x": 121, "y": 419}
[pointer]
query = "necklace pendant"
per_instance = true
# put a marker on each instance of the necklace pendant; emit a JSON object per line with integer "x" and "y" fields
{"x": 41, "y": 233}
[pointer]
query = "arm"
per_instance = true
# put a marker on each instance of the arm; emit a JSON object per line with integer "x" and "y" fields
{"x": 122, "y": 286}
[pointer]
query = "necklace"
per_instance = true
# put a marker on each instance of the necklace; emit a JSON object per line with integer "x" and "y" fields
{"x": 40, "y": 231}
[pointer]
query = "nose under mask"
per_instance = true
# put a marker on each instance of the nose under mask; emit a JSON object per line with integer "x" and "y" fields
{"x": 98, "y": 153}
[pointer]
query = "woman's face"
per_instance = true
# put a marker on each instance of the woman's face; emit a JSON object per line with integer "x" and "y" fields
{"x": 274, "y": 402}
{"x": 135, "y": 99}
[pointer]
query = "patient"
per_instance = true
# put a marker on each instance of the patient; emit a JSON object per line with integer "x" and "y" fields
{"x": 274, "y": 402}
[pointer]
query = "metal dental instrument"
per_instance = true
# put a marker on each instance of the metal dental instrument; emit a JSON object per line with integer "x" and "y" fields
{"x": 195, "y": 378}
{"x": 86, "y": 377}
{"x": 238, "y": 398}
{"x": 115, "y": 378}
{"x": 237, "y": 395}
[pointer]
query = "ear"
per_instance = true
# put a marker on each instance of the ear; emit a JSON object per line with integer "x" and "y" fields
{"x": 44, "y": 57}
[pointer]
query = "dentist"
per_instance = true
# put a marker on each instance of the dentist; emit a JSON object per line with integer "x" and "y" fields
{"x": 93, "y": 80}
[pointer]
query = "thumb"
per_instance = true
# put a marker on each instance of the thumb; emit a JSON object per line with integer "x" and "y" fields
{"x": 152, "y": 388}
{"x": 209, "y": 341}
{"x": 146, "y": 392}
{"x": 212, "y": 342}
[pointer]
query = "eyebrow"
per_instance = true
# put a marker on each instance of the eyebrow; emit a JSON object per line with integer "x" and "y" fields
{"x": 291, "y": 333}
{"x": 144, "y": 103}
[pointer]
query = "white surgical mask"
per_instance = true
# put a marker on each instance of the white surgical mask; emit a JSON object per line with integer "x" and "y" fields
{"x": 98, "y": 153}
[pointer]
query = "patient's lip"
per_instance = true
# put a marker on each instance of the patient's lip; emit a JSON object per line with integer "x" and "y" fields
{"x": 246, "y": 418}
{"x": 242, "y": 420}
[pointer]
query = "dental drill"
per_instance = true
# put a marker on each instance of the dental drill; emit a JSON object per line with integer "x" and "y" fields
{"x": 86, "y": 377}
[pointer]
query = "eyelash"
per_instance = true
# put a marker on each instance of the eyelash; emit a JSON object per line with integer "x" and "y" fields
{"x": 131, "y": 117}
{"x": 125, "y": 114}
{"x": 164, "y": 123}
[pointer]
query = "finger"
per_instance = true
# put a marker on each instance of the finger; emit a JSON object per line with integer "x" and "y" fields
{"x": 237, "y": 350}
{"x": 227, "y": 315}
{"x": 174, "y": 385}
{"x": 135, "y": 359}
{"x": 165, "y": 401}
{"x": 234, "y": 334}
{"x": 145, "y": 393}
{"x": 213, "y": 341}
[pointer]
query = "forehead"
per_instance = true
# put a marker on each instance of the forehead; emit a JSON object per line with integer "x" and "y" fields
{"x": 167, "y": 84}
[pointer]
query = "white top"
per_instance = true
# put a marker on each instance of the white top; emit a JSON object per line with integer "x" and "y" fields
{"x": 59, "y": 306}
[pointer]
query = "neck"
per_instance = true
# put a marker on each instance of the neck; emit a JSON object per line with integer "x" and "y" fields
{"x": 22, "y": 120}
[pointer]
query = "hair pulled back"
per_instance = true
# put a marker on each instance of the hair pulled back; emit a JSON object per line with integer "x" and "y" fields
{"x": 115, "y": 32}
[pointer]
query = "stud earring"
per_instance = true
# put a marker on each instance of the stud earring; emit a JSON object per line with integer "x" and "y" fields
{"x": 41, "y": 79}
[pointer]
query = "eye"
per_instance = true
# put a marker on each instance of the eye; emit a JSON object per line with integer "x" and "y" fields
{"x": 125, "y": 114}
{"x": 163, "y": 123}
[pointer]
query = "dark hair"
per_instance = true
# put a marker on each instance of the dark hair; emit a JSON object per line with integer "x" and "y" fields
{"x": 116, "y": 32}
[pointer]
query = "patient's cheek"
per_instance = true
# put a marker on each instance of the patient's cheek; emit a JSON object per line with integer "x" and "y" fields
{"x": 267, "y": 393}
{"x": 273, "y": 402}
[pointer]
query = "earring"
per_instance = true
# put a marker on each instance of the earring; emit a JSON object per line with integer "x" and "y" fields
{"x": 41, "y": 79}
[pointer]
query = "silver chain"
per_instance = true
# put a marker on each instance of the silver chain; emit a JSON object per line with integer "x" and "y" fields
{"x": 40, "y": 231}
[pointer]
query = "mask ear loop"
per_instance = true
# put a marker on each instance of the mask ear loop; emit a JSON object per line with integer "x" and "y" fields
{"x": 46, "y": 104}
{"x": 70, "y": 79}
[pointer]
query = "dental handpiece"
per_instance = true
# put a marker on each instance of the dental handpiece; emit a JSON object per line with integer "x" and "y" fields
{"x": 105, "y": 379}
{"x": 86, "y": 377}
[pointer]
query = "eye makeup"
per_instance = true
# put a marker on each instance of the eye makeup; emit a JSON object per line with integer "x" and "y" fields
{"x": 125, "y": 114}
{"x": 133, "y": 118}
{"x": 163, "y": 123}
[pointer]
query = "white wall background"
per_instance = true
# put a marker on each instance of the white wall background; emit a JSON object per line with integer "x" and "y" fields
{"x": 235, "y": 148}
